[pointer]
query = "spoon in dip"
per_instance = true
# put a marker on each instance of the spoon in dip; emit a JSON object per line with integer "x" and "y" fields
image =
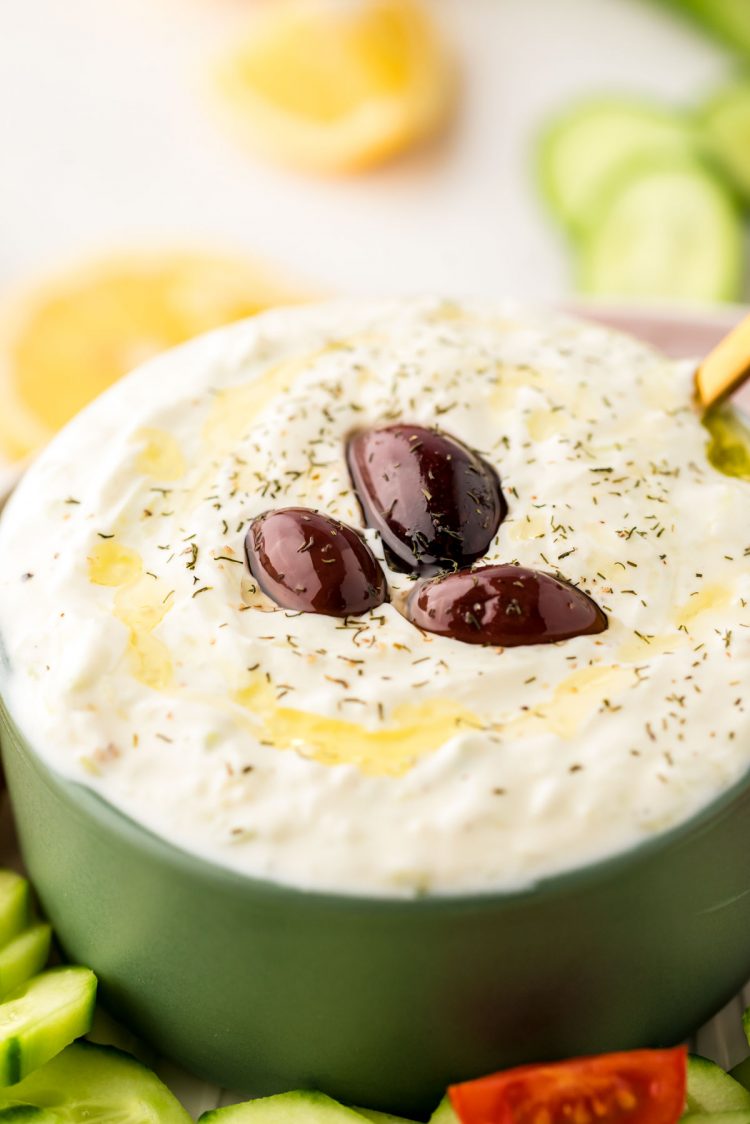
{"x": 725, "y": 368}
{"x": 721, "y": 384}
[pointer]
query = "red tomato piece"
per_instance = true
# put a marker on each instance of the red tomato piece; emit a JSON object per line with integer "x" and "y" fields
{"x": 632, "y": 1087}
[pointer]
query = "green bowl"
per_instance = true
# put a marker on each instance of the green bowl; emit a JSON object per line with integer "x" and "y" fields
{"x": 260, "y": 987}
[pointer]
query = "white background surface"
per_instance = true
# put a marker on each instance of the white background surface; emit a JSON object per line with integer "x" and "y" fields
{"x": 109, "y": 137}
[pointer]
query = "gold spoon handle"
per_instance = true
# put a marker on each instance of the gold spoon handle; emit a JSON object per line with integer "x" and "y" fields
{"x": 726, "y": 367}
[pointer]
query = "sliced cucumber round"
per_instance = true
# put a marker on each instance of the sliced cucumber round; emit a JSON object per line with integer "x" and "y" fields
{"x": 41, "y": 1017}
{"x": 24, "y": 957}
{"x": 28, "y": 1114}
{"x": 15, "y": 905}
{"x": 581, "y": 151}
{"x": 729, "y": 20}
{"x": 286, "y": 1108}
{"x": 725, "y": 122}
{"x": 711, "y": 1090}
{"x": 445, "y": 1113}
{"x": 667, "y": 230}
{"x": 98, "y": 1084}
{"x": 735, "y": 1117}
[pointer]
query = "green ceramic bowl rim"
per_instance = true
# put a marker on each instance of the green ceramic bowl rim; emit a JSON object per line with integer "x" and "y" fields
{"x": 578, "y": 878}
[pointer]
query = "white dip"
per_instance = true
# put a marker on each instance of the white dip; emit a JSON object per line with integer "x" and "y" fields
{"x": 363, "y": 755}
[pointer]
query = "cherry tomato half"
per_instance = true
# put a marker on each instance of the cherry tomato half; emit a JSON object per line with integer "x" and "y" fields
{"x": 633, "y": 1087}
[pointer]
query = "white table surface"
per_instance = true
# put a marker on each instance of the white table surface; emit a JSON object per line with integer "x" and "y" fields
{"x": 109, "y": 135}
{"x": 110, "y": 138}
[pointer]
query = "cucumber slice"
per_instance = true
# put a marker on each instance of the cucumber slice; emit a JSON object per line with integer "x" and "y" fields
{"x": 15, "y": 905}
{"x": 726, "y": 133}
{"x": 581, "y": 151}
{"x": 729, "y": 20}
{"x": 41, "y": 1017}
{"x": 666, "y": 230}
{"x": 715, "y": 1118}
{"x": 728, "y": 450}
{"x": 24, "y": 957}
{"x": 444, "y": 1113}
{"x": 26, "y": 1112}
{"x": 98, "y": 1084}
{"x": 711, "y": 1090}
{"x": 286, "y": 1108}
{"x": 741, "y": 1073}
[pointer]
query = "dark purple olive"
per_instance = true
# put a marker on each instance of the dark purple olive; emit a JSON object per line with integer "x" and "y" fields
{"x": 504, "y": 606}
{"x": 436, "y": 503}
{"x": 309, "y": 562}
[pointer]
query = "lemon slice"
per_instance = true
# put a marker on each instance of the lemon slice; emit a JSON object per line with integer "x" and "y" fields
{"x": 338, "y": 85}
{"x": 67, "y": 341}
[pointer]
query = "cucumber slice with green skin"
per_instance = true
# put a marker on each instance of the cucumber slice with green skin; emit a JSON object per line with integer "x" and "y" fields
{"x": 40, "y": 1018}
{"x": 666, "y": 230}
{"x": 581, "y": 151}
{"x": 725, "y": 123}
{"x": 444, "y": 1113}
{"x": 729, "y": 20}
{"x": 286, "y": 1108}
{"x": 741, "y": 1073}
{"x": 711, "y": 1090}
{"x": 15, "y": 905}
{"x": 24, "y": 957}
{"x": 28, "y": 1114}
{"x": 98, "y": 1084}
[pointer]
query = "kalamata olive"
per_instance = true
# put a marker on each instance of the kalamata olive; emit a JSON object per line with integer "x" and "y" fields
{"x": 436, "y": 503}
{"x": 307, "y": 561}
{"x": 504, "y": 606}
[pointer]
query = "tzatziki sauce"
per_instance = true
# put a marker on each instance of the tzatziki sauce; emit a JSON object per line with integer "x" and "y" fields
{"x": 361, "y": 754}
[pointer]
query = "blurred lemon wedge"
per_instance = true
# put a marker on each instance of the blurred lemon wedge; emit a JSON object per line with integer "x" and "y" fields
{"x": 66, "y": 341}
{"x": 338, "y": 85}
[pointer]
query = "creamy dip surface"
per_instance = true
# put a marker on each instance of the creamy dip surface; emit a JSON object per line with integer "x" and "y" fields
{"x": 362, "y": 755}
